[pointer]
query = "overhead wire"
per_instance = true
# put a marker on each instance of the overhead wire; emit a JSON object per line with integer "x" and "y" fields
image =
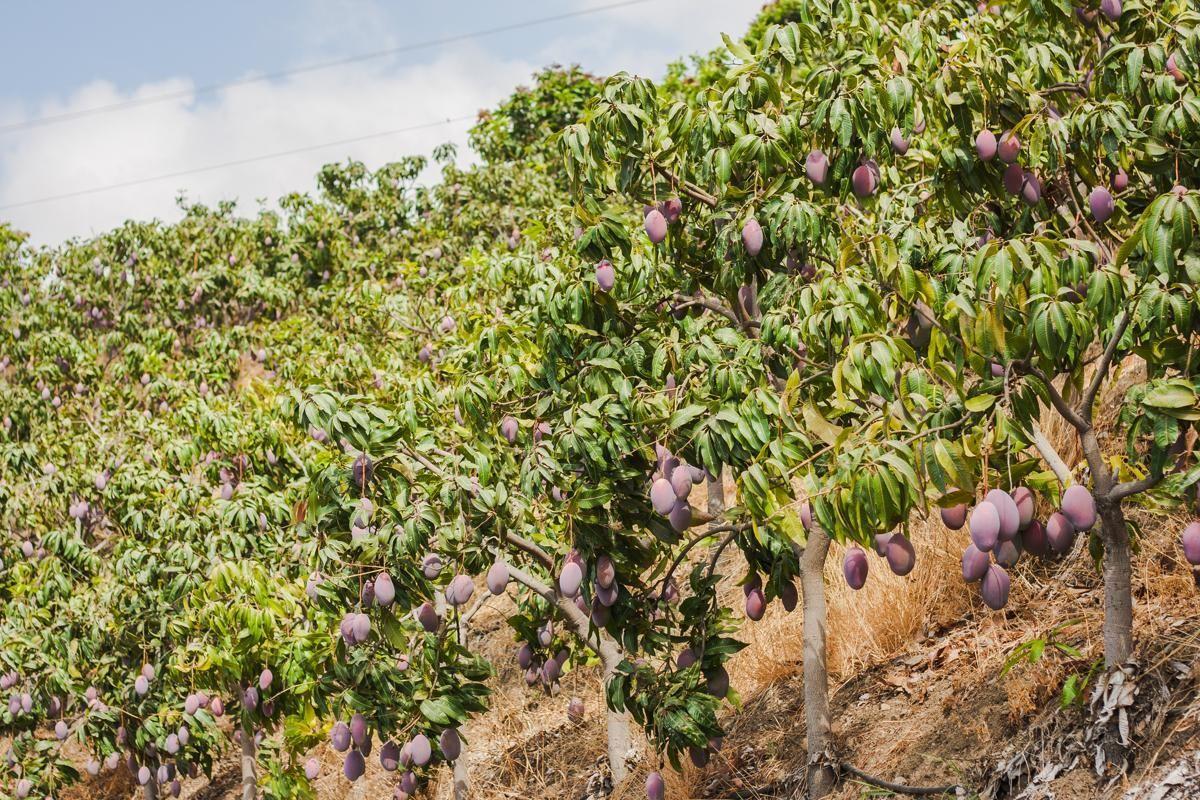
{"x": 183, "y": 94}
{"x": 210, "y": 88}
{"x": 235, "y": 163}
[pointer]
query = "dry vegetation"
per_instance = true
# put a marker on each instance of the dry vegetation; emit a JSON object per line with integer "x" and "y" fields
{"x": 918, "y": 688}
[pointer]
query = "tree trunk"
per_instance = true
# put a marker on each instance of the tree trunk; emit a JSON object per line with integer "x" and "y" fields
{"x": 249, "y": 778}
{"x": 1118, "y": 622}
{"x": 462, "y": 782}
{"x": 460, "y": 777}
{"x": 716, "y": 496}
{"x": 1118, "y": 573}
{"x": 821, "y": 778}
{"x": 618, "y": 727}
{"x": 610, "y": 658}
{"x": 150, "y": 790}
{"x": 1118, "y": 592}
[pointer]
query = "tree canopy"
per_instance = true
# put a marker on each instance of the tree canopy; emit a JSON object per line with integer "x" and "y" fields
{"x": 251, "y": 468}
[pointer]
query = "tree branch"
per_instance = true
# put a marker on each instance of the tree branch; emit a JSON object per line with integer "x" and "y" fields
{"x": 479, "y": 603}
{"x": 426, "y": 463}
{"x": 716, "y": 556}
{"x": 1050, "y": 455}
{"x": 690, "y": 189}
{"x": 1101, "y": 475}
{"x": 566, "y": 607}
{"x": 602, "y": 645}
{"x": 1075, "y": 88}
{"x": 931, "y": 431}
{"x": 529, "y": 548}
{"x": 1060, "y": 404}
{"x": 1089, "y": 395}
{"x": 521, "y": 543}
{"x": 1123, "y": 490}
{"x": 733, "y": 529}
{"x": 900, "y": 788}
{"x": 686, "y": 301}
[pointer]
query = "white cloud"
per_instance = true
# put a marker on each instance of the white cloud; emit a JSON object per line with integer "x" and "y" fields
{"x": 328, "y": 24}
{"x": 676, "y": 29}
{"x": 241, "y": 122}
{"x": 300, "y": 111}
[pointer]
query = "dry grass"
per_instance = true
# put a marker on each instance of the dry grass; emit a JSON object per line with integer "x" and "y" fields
{"x": 916, "y": 670}
{"x": 525, "y": 747}
{"x": 930, "y": 623}
{"x": 885, "y": 616}
{"x": 949, "y": 647}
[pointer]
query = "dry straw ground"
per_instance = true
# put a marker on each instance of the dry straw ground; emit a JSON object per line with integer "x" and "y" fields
{"x": 917, "y": 664}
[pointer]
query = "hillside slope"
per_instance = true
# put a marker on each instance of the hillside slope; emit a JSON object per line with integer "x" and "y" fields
{"x": 253, "y": 470}
{"x": 920, "y": 697}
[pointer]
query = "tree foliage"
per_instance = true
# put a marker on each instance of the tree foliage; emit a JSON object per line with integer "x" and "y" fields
{"x": 795, "y": 265}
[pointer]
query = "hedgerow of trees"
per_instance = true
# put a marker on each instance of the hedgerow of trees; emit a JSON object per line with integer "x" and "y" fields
{"x": 258, "y": 474}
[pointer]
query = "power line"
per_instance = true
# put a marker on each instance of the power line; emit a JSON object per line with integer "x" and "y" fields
{"x": 215, "y": 87}
{"x": 236, "y": 163}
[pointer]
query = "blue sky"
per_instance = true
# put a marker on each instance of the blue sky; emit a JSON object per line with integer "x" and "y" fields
{"x": 56, "y": 45}
{"x": 65, "y": 56}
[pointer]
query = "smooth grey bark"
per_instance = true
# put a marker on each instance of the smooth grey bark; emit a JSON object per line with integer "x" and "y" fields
{"x": 1114, "y": 532}
{"x": 249, "y": 766}
{"x": 716, "y": 496}
{"x": 1118, "y": 616}
{"x": 1118, "y": 572}
{"x": 1050, "y": 455}
{"x": 618, "y": 743}
{"x": 610, "y": 658}
{"x": 821, "y": 777}
{"x": 462, "y": 783}
{"x": 150, "y": 790}
{"x": 1118, "y": 587}
{"x": 460, "y": 776}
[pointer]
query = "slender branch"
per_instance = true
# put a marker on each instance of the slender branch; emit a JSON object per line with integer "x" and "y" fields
{"x": 1050, "y": 455}
{"x": 580, "y": 622}
{"x": 687, "y": 187}
{"x": 824, "y": 259}
{"x": 520, "y": 542}
{"x": 1076, "y": 88}
{"x": 102, "y": 546}
{"x": 416, "y": 309}
{"x": 931, "y": 431}
{"x": 535, "y": 585}
{"x": 1089, "y": 395}
{"x": 426, "y": 463}
{"x": 1060, "y": 404}
{"x": 716, "y": 556}
{"x": 1123, "y": 490}
{"x": 683, "y": 301}
{"x": 916, "y": 791}
{"x": 687, "y": 301}
{"x": 1076, "y": 199}
{"x": 410, "y": 328}
{"x": 529, "y": 548}
{"x": 479, "y": 603}
{"x": 734, "y": 529}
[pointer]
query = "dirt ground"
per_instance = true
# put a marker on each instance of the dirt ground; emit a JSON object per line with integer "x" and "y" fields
{"x": 920, "y": 695}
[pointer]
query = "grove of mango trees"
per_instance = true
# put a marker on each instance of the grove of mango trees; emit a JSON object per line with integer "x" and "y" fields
{"x": 258, "y": 474}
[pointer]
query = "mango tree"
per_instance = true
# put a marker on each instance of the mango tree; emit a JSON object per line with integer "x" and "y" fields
{"x": 918, "y": 310}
